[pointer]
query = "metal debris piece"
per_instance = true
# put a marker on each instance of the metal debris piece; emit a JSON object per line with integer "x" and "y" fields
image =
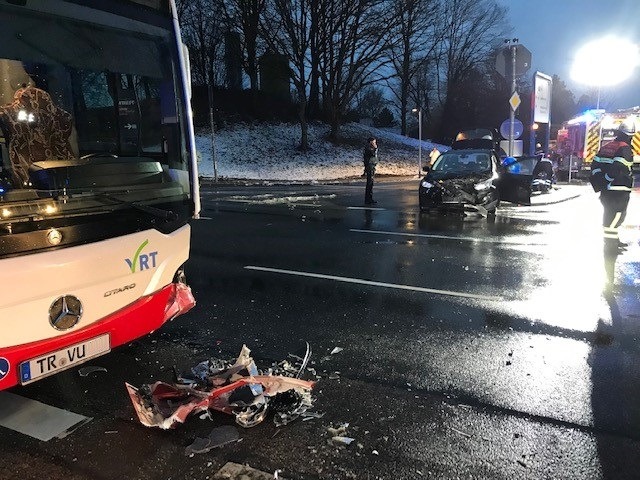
{"x": 86, "y": 371}
{"x": 232, "y": 470}
{"x": 305, "y": 361}
{"x": 237, "y": 390}
{"x": 306, "y": 416}
{"x": 343, "y": 440}
{"x": 464, "y": 434}
{"x": 218, "y": 437}
{"x": 338, "y": 432}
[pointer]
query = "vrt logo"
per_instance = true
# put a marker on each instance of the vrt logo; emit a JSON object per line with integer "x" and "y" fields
{"x": 144, "y": 260}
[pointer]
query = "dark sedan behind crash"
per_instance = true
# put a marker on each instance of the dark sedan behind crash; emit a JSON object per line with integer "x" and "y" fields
{"x": 469, "y": 177}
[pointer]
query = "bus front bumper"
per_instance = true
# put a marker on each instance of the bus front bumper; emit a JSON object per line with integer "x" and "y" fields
{"x": 23, "y": 364}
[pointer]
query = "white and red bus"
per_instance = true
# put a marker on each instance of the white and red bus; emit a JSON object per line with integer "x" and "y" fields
{"x": 98, "y": 179}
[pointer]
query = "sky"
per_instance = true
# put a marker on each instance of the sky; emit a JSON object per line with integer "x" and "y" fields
{"x": 554, "y": 30}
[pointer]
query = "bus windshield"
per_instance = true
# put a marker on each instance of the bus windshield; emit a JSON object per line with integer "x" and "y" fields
{"x": 89, "y": 118}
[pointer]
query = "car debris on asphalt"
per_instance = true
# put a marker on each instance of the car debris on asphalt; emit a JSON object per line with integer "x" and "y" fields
{"x": 86, "y": 371}
{"x": 218, "y": 437}
{"x": 238, "y": 389}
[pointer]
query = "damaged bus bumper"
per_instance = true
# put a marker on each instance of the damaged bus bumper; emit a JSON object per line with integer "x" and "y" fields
{"x": 23, "y": 364}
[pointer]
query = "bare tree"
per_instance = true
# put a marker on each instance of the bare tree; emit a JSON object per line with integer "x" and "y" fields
{"x": 472, "y": 30}
{"x": 244, "y": 16}
{"x": 412, "y": 42}
{"x": 350, "y": 46}
{"x": 202, "y": 32}
{"x": 287, "y": 30}
{"x": 370, "y": 101}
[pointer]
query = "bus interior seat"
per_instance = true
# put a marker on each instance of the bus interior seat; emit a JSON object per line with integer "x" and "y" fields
{"x": 36, "y": 130}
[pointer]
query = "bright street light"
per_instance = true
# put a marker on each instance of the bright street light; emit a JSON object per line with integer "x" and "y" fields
{"x": 622, "y": 57}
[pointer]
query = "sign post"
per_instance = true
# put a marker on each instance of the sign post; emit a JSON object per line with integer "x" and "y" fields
{"x": 518, "y": 58}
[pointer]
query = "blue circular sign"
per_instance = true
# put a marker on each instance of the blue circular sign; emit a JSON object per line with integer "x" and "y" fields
{"x": 518, "y": 128}
{"x": 4, "y": 367}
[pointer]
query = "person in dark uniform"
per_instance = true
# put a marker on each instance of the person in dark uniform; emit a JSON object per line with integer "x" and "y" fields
{"x": 370, "y": 157}
{"x": 611, "y": 175}
{"x": 542, "y": 175}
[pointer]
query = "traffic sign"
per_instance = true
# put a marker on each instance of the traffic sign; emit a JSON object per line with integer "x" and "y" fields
{"x": 504, "y": 62}
{"x": 514, "y": 101}
{"x": 518, "y": 128}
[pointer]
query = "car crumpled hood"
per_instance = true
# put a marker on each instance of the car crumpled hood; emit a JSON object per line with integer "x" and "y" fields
{"x": 464, "y": 184}
{"x": 455, "y": 183}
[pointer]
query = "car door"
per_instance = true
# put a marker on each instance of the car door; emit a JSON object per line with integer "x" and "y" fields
{"x": 515, "y": 180}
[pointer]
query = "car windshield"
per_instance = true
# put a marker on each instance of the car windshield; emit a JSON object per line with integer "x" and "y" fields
{"x": 463, "y": 162}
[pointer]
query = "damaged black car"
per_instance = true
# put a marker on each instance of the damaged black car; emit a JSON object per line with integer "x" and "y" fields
{"x": 471, "y": 178}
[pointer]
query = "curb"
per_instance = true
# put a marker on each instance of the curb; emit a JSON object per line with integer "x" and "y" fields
{"x": 557, "y": 201}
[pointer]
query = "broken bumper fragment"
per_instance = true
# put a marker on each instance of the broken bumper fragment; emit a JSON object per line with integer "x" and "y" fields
{"x": 238, "y": 390}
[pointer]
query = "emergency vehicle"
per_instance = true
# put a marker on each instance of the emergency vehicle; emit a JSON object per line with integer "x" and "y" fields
{"x": 580, "y": 138}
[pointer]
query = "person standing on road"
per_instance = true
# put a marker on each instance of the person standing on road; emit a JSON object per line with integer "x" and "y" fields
{"x": 611, "y": 175}
{"x": 370, "y": 157}
{"x": 433, "y": 156}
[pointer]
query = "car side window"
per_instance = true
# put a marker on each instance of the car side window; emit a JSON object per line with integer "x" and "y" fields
{"x": 520, "y": 166}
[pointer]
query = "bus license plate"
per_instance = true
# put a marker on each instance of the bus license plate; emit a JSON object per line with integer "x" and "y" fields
{"x": 55, "y": 362}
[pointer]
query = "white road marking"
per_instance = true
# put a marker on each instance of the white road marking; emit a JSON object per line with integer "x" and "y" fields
{"x": 365, "y": 208}
{"x": 375, "y": 284}
{"x": 445, "y": 237}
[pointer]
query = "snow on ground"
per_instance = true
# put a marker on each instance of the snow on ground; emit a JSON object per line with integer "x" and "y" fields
{"x": 269, "y": 152}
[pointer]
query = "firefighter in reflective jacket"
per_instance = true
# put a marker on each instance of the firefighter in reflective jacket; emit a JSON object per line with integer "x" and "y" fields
{"x": 611, "y": 175}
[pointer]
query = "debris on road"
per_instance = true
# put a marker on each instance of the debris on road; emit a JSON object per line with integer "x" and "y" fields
{"x": 336, "y": 350}
{"x": 343, "y": 440}
{"x": 218, "y": 437}
{"x": 86, "y": 371}
{"x": 231, "y": 471}
{"x": 238, "y": 390}
{"x": 338, "y": 435}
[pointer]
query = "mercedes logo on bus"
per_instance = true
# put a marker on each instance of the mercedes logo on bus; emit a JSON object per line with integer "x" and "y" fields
{"x": 65, "y": 312}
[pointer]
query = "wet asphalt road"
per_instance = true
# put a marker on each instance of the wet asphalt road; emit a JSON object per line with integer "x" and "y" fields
{"x": 473, "y": 347}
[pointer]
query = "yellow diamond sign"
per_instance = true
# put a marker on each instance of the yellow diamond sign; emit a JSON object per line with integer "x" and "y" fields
{"x": 514, "y": 101}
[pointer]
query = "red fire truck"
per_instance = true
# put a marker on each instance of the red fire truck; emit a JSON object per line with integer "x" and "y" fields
{"x": 580, "y": 138}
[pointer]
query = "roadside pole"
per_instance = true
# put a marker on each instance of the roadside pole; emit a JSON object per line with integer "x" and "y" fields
{"x": 419, "y": 141}
{"x": 512, "y": 114}
{"x": 213, "y": 132}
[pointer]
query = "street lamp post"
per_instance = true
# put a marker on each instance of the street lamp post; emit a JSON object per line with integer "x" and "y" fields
{"x": 419, "y": 110}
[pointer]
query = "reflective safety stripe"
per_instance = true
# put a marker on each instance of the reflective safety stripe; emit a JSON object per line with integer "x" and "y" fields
{"x": 592, "y": 141}
{"x": 615, "y": 219}
{"x": 610, "y": 235}
{"x": 623, "y": 161}
{"x": 596, "y": 170}
{"x": 603, "y": 160}
{"x": 607, "y": 177}
{"x": 618, "y": 188}
{"x": 635, "y": 143}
